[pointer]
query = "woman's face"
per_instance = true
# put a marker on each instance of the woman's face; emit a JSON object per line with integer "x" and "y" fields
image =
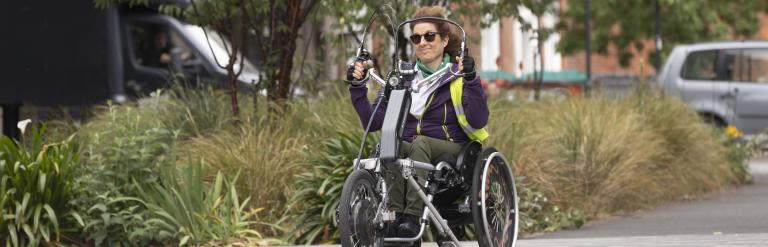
{"x": 428, "y": 51}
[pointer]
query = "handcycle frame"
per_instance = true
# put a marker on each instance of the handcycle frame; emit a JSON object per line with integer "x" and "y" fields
{"x": 397, "y": 96}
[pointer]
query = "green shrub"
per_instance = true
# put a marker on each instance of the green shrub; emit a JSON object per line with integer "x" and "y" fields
{"x": 188, "y": 210}
{"x": 36, "y": 190}
{"x": 598, "y": 156}
{"x": 265, "y": 156}
{"x": 312, "y": 208}
{"x": 195, "y": 110}
{"x": 268, "y": 151}
{"x": 538, "y": 213}
{"x": 693, "y": 160}
{"x": 130, "y": 146}
{"x": 738, "y": 152}
{"x": 120, "y": 145}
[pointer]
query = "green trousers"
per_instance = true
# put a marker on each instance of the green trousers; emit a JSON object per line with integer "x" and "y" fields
{"x": 402, "y": 198}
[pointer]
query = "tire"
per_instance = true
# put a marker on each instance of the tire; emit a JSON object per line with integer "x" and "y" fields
{"x": 494, "y": 201}
{"x": 357, "y": 210}
{"x": 713, "y": 120}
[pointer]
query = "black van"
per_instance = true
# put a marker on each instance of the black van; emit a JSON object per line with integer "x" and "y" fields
{"x": 70, "y": 53}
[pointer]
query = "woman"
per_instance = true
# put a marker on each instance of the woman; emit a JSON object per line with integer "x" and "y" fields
{"x": 433, "y": 128}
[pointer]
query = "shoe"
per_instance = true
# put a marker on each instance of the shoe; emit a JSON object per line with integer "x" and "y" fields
{"x": 409, "y": 226}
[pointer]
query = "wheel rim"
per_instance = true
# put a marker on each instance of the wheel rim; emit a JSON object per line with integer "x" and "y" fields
{"x": 498, "y": 202}
{"x": 363, "y": 205}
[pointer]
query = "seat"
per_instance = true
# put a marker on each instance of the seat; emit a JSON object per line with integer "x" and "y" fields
{"x": 448, "y": 199}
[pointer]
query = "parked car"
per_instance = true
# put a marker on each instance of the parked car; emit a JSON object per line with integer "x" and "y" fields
{"x": 725, "y": 82}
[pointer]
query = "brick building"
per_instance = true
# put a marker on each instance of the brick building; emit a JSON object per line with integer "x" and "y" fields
{"x": 505, "y": 47}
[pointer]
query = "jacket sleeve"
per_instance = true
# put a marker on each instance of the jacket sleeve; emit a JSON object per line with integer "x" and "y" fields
{"x": 364, "y": 108}
{"x": 475, "y": 103}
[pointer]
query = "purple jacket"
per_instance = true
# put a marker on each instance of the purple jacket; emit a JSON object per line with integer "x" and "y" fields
{"x": 474, "y": 102}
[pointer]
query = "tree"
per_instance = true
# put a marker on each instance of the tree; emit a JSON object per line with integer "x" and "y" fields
{"x": 626, "y": 24}
{"x": 274, "y": 23}
{"x": 229, "y": 18}
{"x": 355, "y": 14}
{"x": 539, "y": 8}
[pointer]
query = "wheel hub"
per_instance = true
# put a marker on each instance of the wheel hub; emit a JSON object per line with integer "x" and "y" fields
{"x": 498, "y": 206}
{"x": 362, "y": 217}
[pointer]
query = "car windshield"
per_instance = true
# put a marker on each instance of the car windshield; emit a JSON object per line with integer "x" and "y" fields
{"x": 217, "y": 44}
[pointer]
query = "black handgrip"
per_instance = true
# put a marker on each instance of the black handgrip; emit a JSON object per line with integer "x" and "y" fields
{"x": 364, "y": 56}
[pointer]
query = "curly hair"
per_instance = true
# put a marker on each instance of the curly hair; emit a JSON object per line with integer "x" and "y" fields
{"x": 444, "y": 28}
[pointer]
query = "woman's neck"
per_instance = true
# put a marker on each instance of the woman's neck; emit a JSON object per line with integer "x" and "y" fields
{"x": 434, "y": 64}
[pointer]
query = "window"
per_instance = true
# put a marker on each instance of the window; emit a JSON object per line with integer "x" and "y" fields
{"x": 700, "y": 66}
{"x": 733, "y": 65}
{"x": 152, "y": 44}
{"x": 755, "y": 65}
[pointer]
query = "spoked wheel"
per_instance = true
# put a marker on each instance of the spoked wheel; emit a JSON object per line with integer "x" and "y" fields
{"x": 494, "y": 201}
{"x": 357, "y": 211}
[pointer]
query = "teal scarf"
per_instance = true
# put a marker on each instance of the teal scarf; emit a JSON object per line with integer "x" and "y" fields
{"x": 427, "y": 71}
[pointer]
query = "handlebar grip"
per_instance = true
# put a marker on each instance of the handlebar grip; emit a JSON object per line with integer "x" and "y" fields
{"x": 364, "y": 56}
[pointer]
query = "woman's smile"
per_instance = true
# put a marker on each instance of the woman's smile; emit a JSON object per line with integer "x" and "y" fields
{"x": 425, "y": 49}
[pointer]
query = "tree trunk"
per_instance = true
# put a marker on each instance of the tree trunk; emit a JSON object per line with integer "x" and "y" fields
{"x": 540, "y": 77}
{"x": 232, "y": 75}
{"x": 232, "y": 78}
{"x": 281, "y": 75}
{"x": 284, "y": 44}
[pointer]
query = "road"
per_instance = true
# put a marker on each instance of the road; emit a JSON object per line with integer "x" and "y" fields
{"x": 736, "y": 217}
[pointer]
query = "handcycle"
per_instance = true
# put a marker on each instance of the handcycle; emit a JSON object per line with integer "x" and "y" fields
{"x": 476, "y": 187}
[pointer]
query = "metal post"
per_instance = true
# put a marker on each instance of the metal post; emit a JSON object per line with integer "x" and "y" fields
{"x": 11, "y": 116}
{"x": 658, "y": 37}
{"x": 588, "y": 38}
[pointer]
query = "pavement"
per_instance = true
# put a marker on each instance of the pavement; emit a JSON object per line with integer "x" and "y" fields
{"x": 723, "y": 240}
{"x": 737, "y": 217}
{"x": 739, "y": 210}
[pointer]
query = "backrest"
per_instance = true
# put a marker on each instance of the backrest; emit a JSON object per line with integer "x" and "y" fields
{"x": 465, "y": 162}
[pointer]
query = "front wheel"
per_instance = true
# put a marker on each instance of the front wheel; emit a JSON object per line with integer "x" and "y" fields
{"x": 494, "y": 201}
{"x": 357, "y": 211}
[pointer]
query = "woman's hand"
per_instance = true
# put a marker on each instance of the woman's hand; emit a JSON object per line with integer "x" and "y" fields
{"x": 357, "y": 72}
{"x": 360, "y": 68}
{"x": 467, "y": 66}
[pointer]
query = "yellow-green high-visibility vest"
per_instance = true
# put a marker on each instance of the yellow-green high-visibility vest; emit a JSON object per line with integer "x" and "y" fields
{"x": 457, "y": 89}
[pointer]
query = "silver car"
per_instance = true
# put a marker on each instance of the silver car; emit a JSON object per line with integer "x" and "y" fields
{"x": 725, "y": 82}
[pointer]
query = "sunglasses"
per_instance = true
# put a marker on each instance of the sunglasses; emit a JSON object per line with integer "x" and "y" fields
{"x": 429, "y": 36}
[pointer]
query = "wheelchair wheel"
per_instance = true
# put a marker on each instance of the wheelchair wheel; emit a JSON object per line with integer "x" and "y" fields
{"x": 494, "y": 201}
{"x": 357, "y": 210}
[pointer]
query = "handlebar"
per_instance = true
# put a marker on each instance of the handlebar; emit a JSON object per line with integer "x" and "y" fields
{"x": 414, "y": 87}
{"x": 376, "y": 77}
{"x": 398, "y": 70}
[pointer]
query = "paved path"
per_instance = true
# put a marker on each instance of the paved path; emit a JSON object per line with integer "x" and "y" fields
{"x": 741, "y": 210}
{"x": 733, "y": 218}
{"x": 725, "y": 240}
